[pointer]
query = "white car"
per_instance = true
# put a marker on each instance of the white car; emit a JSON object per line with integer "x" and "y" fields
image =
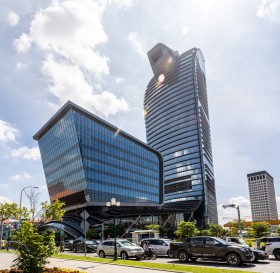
{"x": 125, "y": 249}
{"x": 162, "y": 246}
{"x": 272, "y": 246}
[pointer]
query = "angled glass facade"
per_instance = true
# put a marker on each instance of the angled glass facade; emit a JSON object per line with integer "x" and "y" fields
{"x": 177, "y": 125}
{"x": 87, "y": 159}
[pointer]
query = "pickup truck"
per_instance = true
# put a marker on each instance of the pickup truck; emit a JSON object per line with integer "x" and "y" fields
{"x": 211, "y": 248}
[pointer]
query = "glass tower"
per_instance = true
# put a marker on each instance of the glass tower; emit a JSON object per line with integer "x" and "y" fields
{"x": 86, "y": 159}
{"x": 177, "y": 125}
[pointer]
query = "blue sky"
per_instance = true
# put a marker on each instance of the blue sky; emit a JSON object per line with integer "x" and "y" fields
{"x": 94, "y": 54}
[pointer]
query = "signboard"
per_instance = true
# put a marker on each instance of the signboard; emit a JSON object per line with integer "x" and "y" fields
{"x": 84, "y": 225}
{"x": 84, "y": 214}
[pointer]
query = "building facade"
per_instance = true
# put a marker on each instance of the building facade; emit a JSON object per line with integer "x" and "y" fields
{"x": 177, "y": 125}
{"x": 88, "y": 161}
{"x": 262, "y": 196}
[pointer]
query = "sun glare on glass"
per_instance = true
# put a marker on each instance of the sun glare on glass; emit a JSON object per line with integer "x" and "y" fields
{"x": 161, "y": 78}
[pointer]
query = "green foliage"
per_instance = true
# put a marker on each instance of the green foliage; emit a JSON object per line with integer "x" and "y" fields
{"x": 153, "y": 227}
{"x": 234, "y": 231}
{"x": 261, "y": 228}
{"x": 33, "y": 248}
{"x": 251, "y": 232}
{"x": 278, "y": 230}
{"x": 205, "y": 232}
{"x": 185, "y": 229}
{"x": 92, "y": 234}
{"x": 109, "y": 232}
{"x": 52, "y": 211}
{"x": 216, "y": 230}
{"x": 235, "y": 224}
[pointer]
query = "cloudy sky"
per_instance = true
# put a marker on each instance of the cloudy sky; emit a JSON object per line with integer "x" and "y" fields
{"x": 94, "y": 54}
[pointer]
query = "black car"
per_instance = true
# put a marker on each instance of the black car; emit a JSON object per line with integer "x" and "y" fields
{"x": 79, "y": 245}
{"x": 68, "y": 244}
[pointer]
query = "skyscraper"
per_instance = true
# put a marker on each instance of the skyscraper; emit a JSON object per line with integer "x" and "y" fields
{"x": 262, "y": 196}
{"x": 177, "y": 125}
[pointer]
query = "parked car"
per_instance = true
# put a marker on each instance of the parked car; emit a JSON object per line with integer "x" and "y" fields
{"x": 272, "y": 245}
{"x": 68, "y": 244}
{"x": 79, "y": 245}
{"x": 125, "y": 249}
{"x": 259, "y": 254}
{"x": 162, "y": 246}
{"x": 211, "y": 248}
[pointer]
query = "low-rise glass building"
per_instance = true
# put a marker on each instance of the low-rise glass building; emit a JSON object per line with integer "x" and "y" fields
{"x": 88, "y": 161}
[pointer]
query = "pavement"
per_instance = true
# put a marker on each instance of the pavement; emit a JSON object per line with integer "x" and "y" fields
{"x": 6, "y": 260}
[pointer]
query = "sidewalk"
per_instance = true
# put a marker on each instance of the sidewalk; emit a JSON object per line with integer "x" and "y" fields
{"x": 89, "y": 267}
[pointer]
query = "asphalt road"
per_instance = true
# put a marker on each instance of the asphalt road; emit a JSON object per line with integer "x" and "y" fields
{"x": 268, "y": 266}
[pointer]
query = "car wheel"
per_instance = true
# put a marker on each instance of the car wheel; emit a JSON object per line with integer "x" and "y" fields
{"x": 102, "y": 254}
{"x": 153, "y": 256}
{"x": 233, "y": 259}
{"x": 276, "y": 254}
{"x": 169, "y": 254}
{"x": 183, "y": 256}
{"x": 124, "y": 255}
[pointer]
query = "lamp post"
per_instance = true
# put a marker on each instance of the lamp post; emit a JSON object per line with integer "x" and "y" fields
{"x": 113, "y": 203}
{"x": 21, "y": 202}
{"x": 238, "y": 212}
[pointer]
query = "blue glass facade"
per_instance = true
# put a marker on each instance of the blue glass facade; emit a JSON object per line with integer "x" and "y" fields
{"x": 177, "y": 125}
{"x": 86, "y": 157}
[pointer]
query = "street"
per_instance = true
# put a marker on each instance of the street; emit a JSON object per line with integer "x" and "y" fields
{"x": 268, "y": 266}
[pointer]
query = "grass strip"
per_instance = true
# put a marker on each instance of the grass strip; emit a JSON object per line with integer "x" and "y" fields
{"x": 159, "y": 266}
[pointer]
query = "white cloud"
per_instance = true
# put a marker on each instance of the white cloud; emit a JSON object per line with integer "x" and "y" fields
{"x": 7, "y": 132}
{"x": 185, "y": 30}
{"x": 122, "y": 3}
{"x": 133, "y": 37}
{"x": 20, "y": 176}
{"x": 69, "y": 83}
{"x": 4, "y": 199}
{"x": 230, "y": 214}
{"x": 26, "y": 153}
{"x": 67, "y": 33}
{"x": 70, "y": 29}
{"x": 20, "y": 66}
{"x": 119, "y": 79}
{"x": 269, "y": 10}
{"x": 12, "y": 19}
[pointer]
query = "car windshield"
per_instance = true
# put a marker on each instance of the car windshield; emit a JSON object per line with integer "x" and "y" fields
{"x": 126, "y": 243}
{"x": 91, "y": 242}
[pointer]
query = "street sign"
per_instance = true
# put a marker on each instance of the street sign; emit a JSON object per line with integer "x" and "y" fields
{"x": 84, "y": 214}
{"x": 84, "y": 225}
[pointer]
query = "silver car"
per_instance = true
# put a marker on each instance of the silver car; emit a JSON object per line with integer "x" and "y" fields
{"x": 162, "y": 246}
{"x": 125, "y": 249}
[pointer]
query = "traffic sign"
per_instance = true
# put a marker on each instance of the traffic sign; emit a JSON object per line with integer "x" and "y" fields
{"x": 84, "y": 214}
{"x": 84, "y": 225}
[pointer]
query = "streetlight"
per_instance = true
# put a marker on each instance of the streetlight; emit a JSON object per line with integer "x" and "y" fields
{"x": 21, "y": 200}
{"x": 238, "y": 212}
{"x": 114, "y": 204}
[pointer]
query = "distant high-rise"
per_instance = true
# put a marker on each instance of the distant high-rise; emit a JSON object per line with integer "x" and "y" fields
{"x": 262, "y": 196}
{"x": 177, "y": 125}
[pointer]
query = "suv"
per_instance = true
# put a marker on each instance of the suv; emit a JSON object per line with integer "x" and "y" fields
{"x": 125, "y": 249}
{"x": 162, "y": 246}
{"x": 79, "y": 244}
{"x": 258, "y": 253}
{"x": 272, "y": 246}
{"x": 211, "y": 248}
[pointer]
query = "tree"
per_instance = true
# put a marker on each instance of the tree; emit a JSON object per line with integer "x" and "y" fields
{"x": 185, "y": 229}
{"x": 8, "y": 211}
{"x": 153, "y": 227}
{"x": 92, "y": 234}
{"x": 261, "y": 228}
{"x": 32, "y": 248}
{"x": 32, "y": 195}
{"x": 278, "y": 230}
{"x": 52, "y": 211}
{"x": 235, "y": 224}
{"x": 216, "y": 230}
{"x": 205, "y": 232}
